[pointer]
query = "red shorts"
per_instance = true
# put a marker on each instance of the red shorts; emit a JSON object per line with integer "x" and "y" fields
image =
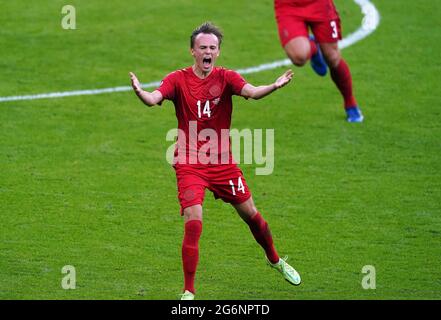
{"x": 226, "y": 181}
{"x": 291, "y": 27}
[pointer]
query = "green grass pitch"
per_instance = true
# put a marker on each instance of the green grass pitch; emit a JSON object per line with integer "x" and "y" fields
{"x": 84, "y": 181}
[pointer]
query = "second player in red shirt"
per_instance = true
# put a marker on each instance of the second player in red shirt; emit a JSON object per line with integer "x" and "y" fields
{"x": 295, "y": 19}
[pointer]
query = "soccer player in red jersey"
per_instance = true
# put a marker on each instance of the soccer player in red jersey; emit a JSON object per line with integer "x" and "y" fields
{"x": 202, "y": 96}
{"x": 293, "y": 19}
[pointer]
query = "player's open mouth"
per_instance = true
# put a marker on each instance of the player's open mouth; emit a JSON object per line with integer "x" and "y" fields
{"x": 206, "y": 62}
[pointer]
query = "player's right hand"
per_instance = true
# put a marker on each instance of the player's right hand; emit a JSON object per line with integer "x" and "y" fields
{"x": 135, "y": 82}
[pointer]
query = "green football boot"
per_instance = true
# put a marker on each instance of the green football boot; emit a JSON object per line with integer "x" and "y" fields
{"x": 187, "y": 295}
{"x": 288, "y": 272}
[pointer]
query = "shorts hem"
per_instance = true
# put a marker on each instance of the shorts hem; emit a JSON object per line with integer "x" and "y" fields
{"x": 241, "y": 201}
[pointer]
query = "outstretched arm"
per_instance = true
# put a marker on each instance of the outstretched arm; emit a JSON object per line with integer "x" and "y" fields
{"x": 250, "y": 91}
{"x": 149, "y": 98}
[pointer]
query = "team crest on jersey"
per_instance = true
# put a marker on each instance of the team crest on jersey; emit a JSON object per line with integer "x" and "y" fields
{"x": 215, "y": 90}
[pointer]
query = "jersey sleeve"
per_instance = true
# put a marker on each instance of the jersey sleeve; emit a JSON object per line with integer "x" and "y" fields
{"x": 167, "y": 87}
{"x": 236, "y": 81}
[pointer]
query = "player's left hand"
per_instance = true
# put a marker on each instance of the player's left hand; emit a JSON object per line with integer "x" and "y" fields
{"x": 284, "y": 79}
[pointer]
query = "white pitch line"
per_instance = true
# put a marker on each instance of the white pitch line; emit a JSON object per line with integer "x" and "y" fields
{"x": 369, "y": 23}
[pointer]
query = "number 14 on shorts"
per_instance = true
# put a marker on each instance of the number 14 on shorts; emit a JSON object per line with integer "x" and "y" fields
{"x": 240, "y": 186}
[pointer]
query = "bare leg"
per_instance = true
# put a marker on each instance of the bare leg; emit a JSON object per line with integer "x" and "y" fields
{"x": 331, "y": 53}
{"x": 193, "y": 213}
{"x": 298, "y": 50}
{"x": 340, "y": 73}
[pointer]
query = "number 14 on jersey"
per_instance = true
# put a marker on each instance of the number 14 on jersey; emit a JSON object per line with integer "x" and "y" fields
{"x": 206, "y": 110}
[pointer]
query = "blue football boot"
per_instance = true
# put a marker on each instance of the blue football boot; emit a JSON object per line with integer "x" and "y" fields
{"x": 318, "y": 63}
{"x": 353, "y": 114}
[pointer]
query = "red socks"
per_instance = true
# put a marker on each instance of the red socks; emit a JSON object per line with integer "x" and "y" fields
{"x": 343, "y": 80}
{"x": 190, "y": 252}
{"x": 262, "y": 234}
{"x": 190, "y": 246}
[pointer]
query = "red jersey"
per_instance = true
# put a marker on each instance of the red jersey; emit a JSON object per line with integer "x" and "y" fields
{"x": 313, "y": 10}
{"x": 203, "y": 109}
